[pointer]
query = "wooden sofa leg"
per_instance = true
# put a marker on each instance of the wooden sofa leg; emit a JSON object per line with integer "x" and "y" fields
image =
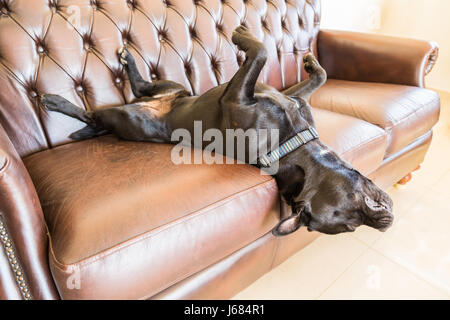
{"x": 405, "y": 179}
{"x": 408, "y": 177}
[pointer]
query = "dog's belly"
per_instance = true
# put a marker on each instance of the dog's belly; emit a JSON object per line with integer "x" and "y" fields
{"x": 157, "y": 107}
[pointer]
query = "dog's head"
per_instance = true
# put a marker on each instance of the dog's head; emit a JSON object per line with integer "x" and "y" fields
{"x": 329, "y": 196}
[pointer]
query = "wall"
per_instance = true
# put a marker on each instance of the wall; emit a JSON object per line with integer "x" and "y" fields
{"x": 420, "y": 19}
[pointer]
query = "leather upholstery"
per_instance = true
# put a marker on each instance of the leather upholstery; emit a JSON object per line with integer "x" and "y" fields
{"x": 405, "y": 113}
{"x": 218, "y": 281}
{"x": 358, "y": 142}
{"x": 23, "y": 227}
{"x": 45, "y": 48}
{"x": 185, "y": 41}
{"x": 107, "y": 201}
{"x": 407, "y": 160}
{"x": 373, "y": 58}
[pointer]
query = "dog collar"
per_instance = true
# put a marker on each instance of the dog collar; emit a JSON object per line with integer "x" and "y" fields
{"x": 300, "y": 139}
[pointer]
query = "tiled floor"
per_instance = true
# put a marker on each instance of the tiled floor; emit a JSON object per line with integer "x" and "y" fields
{"x": 409, "y": 261}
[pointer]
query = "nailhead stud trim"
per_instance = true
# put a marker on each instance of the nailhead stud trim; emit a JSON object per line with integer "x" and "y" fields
{"x": 8, "y": 246}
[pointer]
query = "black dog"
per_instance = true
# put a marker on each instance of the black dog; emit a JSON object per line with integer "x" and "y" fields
{"x": 326, "y": 194}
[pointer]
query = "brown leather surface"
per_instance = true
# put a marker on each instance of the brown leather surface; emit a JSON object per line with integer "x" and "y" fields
{"x": 44, "y": 48}
{"x": 356, "y": 141}
{"x": 24, "y": 225}
{"x": 227, "y": 277}
{"x": 374, "y": 58}
{"x": 403, "y": 162}
{"x": 115, "y": 207}
{"x": 405, "y": 113}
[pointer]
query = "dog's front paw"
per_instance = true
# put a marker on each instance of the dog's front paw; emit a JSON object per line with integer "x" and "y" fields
{"x": 51, "y": 101}
{"x": 244, "y": 39}
{"x": 124, "y": 55}
{"x": 310, "y": 64}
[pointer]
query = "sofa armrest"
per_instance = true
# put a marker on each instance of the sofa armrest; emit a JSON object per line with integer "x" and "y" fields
{"x": 23, "y": 254}
{"x": 373, "y": 58}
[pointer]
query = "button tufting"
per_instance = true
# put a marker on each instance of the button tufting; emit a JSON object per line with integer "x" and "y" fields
{"x": 79, "y": 88}
{"x": 118, "y": 81}
{"x": 132, "y": 4}
{"x": 126, "y": 38}
{"x": 33, "y": 94}
{"x": 94, "y": 4}
{"x": 187, "y": 68}
{"x": 87, "y": 42}
{"x": 192, "y": 32}
{"x": 162, "y": 35}
{"x": 301, "y": 23}
{"x": 154, "y": 76}
{"x": 54, "y": 5}
{"x": 264, "y": 23}
{"x": 215, "y": 63}
{"x": 40, "y": 49}
{"x": 4, "y": 11}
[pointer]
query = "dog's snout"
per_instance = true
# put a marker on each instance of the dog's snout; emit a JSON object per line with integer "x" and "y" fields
{"x": 385, "y": 222}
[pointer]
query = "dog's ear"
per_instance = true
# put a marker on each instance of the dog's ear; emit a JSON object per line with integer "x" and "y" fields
{"x": 306, "y": 113}
{"x": 287, "y": 225}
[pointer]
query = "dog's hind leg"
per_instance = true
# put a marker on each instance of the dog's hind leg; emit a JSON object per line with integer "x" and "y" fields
{"x": 139, "y": 86}
{"x": 317, "y": 77}
{"x": 241, "y": 88}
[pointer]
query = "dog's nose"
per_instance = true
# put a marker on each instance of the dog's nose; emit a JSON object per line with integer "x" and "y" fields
{"x": 385, "y": 222}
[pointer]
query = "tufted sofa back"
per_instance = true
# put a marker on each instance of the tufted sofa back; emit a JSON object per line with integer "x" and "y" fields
{"x": 68, "y": 47}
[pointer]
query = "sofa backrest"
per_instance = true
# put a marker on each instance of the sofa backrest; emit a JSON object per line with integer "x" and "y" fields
{"x": 68, "y": 47}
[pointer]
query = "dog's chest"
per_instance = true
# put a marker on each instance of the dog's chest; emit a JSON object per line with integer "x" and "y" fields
{"x": 157, "y": 107}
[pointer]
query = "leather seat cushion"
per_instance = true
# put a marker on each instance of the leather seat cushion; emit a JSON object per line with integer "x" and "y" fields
{"x": 132, "y": 223}
{"x": 356, "y": 141}
{"x": 406, "y": 113}
{"x": 129, "y": 221}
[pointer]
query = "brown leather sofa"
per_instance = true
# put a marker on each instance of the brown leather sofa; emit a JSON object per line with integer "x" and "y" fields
{"x": 111, "y": 219}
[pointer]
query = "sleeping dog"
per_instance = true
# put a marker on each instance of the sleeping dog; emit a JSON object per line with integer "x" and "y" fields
{"x": 325, "y": 193}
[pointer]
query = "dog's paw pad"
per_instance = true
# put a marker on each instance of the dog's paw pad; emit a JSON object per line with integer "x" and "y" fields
{"x": 123, "y": 55}
{"x": 310, "y": 64}
{"x": 48, "y": 101}
{"x": 310, "y": 67}
{"x": 309, "y": 58}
